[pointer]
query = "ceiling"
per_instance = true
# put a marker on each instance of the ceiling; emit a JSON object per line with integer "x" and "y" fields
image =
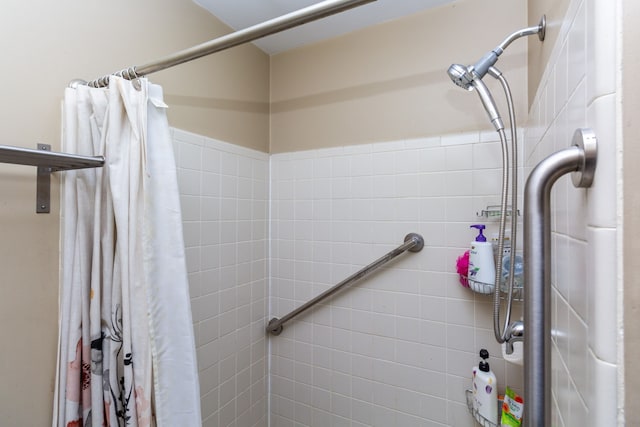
{"x": 239, "y": 14}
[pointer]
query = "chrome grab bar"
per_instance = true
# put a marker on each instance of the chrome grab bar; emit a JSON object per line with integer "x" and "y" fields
{"x": 413, "y": 242}
{"x": 580, "y": 159}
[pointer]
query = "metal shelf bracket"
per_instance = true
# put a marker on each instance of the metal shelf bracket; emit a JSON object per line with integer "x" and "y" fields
{"x": 43, "y": 185}
{"x": 47, "y": 162}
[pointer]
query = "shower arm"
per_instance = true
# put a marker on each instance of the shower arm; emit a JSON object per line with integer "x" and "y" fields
{"x": 539, "y": 29}
{"x": 490, "y": 58}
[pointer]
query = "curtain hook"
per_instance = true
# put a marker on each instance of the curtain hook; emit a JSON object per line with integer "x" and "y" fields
{"x": 137, "y": 85}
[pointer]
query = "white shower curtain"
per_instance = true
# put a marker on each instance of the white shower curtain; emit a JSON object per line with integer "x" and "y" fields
{"x": 126, "y": 352}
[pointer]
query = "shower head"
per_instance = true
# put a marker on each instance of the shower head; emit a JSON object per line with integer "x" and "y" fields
{"x": 464, "y": 76}
{"x": 487, "y": 102}
{"x": 468, "y": 79}
{"x": 460, "y": 75}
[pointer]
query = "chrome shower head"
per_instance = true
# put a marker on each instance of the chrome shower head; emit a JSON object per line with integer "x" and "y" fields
{"x": 464, "y": 76}
{"x": 487, "y": 102}
{"x": 468, "y": 79}
{"x": 460, "y": 75}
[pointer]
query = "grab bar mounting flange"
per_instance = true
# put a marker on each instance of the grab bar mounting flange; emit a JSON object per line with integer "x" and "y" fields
{"x": 585, "y": 140}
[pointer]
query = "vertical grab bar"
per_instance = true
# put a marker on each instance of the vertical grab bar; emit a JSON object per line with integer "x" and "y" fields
{"x": 580, "y": 158}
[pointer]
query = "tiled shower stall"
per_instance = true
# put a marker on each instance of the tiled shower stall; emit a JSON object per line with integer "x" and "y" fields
{"x": 396, "y": 349}
{"x": 265, "y": 233}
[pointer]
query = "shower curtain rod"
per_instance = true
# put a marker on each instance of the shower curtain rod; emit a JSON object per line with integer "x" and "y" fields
{"x": 272, "y": 26}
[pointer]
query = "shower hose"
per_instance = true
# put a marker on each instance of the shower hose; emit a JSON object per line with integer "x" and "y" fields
{"x": 501, "y": 333}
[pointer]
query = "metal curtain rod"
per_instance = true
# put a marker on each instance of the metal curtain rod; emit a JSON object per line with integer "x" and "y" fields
{"x": 413, "y": 242}
{"x": 272, "y": 26}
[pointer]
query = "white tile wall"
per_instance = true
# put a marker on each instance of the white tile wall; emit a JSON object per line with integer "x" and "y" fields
{"x": 398, "y": 348}
{"x": 578, "y": 89}
{"x": 224, "y": 194}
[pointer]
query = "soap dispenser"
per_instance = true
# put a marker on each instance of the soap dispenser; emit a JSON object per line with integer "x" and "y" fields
{"x": 485, "y": 390}
{"x": 482, "y": 270}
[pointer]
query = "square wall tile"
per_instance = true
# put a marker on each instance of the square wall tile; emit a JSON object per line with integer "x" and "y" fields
{"x": 602, "y": 197}
{"x": 602, "y": 398}
{"x": 602, "y": 293}
{"x": 576, "y": 45}
{"x": 601, "y": 48}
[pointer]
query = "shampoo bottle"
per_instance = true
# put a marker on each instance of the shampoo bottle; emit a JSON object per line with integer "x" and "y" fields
{"x": 485, "y": 390}
{"x": 482, "y": 270}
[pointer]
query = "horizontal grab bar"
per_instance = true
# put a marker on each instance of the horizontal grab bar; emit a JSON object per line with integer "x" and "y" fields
{"x": 413, "y": 242}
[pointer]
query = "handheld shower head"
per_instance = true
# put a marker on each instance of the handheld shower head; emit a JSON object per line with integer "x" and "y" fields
{"x": 488, "y": 103}
{"x": 468, "y": 79}
{"x": 460, "y": 76}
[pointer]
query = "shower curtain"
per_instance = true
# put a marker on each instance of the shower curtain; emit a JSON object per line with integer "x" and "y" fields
{"x": 126, "y": 353}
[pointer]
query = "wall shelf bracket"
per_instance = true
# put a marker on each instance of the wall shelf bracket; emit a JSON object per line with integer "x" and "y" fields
{"x": 47, "y": 162}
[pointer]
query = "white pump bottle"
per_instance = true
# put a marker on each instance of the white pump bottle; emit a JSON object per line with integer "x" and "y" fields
{"x": 482, "y": 270}
{"x": 485, "y": 391}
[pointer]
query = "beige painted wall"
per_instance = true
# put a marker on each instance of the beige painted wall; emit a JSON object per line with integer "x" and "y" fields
{"x": 389, "y": 82}
{"x": 44, "y": 45}
{"x": 554, "y": 11}
{"x": 631, "y": 179}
